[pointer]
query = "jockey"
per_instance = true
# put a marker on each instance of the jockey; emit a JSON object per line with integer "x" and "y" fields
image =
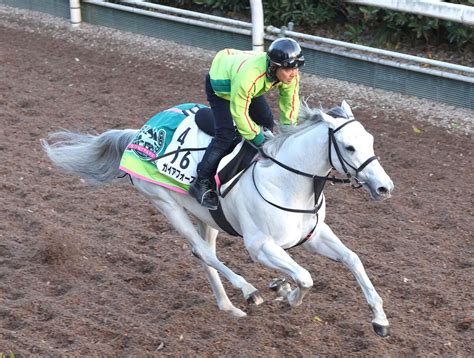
{"x": 234, "y": 88}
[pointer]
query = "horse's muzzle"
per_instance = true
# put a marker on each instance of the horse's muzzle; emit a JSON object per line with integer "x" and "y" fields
{"x": 380, "y": 192}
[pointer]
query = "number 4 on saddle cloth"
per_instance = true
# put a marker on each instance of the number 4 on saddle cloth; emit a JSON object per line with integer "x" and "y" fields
{"x": 168, "y": 148}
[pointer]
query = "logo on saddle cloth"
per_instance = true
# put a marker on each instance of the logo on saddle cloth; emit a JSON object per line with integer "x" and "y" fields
{"x": 168, "y": 148}
{"x": 148, "y": 142}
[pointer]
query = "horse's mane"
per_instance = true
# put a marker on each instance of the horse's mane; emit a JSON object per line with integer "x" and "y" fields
{"x": 307, "y": 118}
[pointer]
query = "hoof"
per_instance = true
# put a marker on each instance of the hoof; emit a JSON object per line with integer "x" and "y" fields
{"x": 237, "y": 313}
{"x": 276, "y": 284}
{"x": 255, "y": 299}
{"x": 382, "y": 331}
{"x": 281, "y": 286}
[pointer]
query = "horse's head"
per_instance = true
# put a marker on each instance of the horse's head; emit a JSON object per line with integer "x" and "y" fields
{"x": 352, "y": 152}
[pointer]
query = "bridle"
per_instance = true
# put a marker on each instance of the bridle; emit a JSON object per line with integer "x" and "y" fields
{"x": 356, "y": 183}
{"x": 319, "y": 181}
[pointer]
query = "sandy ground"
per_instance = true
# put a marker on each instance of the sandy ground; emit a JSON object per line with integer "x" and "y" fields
{"x": 97, "y": 272}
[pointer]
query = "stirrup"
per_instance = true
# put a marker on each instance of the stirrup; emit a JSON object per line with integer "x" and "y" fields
{"x": 210, "y": 199}
{"x": 205, "y": 195}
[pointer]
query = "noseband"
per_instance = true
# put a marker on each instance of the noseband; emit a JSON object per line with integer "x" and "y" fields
{"x": 356, "y": 183}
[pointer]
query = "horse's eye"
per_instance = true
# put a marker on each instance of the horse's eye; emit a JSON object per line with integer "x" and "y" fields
{"x": 350, "y": 148}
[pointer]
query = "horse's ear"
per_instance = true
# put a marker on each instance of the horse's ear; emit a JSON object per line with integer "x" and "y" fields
{"x": 346, "y": 108}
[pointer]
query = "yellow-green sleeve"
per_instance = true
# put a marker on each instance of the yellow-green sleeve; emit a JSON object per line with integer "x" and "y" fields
{"x": 242, "y": 91}
{"x": 289, "y": 102}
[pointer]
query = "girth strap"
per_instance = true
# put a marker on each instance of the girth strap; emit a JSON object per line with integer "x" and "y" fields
{"x": 307, "y": 237}
{"x": 318, "y": 184}
{"x": 220, "y": 219}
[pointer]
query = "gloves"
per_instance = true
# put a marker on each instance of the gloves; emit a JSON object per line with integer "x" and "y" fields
{"x": 264, "y": 135}
{"x": 258, "y": 140}
{"x": 267, "y": 133}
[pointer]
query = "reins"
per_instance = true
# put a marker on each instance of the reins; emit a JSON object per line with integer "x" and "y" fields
{"x": 318, "y": 184}
{"x": 179, "y": 150}
{"x": 332, "y": 179}
{"x": 318, "y": 180}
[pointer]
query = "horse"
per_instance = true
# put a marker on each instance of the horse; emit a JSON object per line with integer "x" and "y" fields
{"x": 276, "y": 204}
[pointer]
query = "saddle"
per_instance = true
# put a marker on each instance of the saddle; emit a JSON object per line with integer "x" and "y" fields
{"x": 169, "y": 146}
{"x": 239, "y": 158}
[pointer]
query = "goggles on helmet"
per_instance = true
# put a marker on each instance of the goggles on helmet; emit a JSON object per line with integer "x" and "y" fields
{"x": 292, "y": 62}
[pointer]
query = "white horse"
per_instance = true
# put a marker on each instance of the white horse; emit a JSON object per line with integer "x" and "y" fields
{"x": 276, "y": 204}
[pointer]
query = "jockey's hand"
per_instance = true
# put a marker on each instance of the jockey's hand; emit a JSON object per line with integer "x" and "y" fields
{"x": 258, "y": 140}
{"x": 267, "y": 133}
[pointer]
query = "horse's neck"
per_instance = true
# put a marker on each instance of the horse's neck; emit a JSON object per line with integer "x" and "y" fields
{"x": 307, "y": 151}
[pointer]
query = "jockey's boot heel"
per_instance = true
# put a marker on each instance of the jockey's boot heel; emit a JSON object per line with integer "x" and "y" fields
{"x": 204, "y": 193}
{"x": 203, "y": 188}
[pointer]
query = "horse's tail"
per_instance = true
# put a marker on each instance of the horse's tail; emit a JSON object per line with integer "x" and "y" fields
{"x": 95, "y": 158}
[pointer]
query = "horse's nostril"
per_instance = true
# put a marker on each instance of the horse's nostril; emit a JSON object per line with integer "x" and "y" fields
{"x": 382, "y": 190}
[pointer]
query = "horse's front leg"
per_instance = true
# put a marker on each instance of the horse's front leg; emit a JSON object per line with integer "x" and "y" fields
{"x": 329, "y": 245}
{"x": 273, "y": 256}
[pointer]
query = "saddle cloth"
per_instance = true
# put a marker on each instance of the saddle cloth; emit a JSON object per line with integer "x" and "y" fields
{"x": 168, "y": 148}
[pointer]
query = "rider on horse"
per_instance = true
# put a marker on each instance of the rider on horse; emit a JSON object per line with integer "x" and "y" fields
{"x": 234, "y": 88}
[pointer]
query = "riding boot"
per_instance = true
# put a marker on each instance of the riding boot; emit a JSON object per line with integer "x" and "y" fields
{"x": 203, "y": 188}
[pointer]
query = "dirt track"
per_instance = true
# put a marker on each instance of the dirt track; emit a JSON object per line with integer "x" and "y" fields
{"x": 97, "y": 272}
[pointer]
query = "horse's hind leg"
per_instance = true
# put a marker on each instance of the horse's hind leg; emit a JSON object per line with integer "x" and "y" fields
{"x": 329, "y": 245}
{"x": 223, "y": 302}
{"x": 177, "y": 216}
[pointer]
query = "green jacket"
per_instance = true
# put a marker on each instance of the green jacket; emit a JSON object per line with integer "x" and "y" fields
{"x": 239, "y": 76}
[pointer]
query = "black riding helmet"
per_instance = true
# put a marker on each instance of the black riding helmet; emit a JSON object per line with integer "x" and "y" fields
{"x": 285, "y": 52}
